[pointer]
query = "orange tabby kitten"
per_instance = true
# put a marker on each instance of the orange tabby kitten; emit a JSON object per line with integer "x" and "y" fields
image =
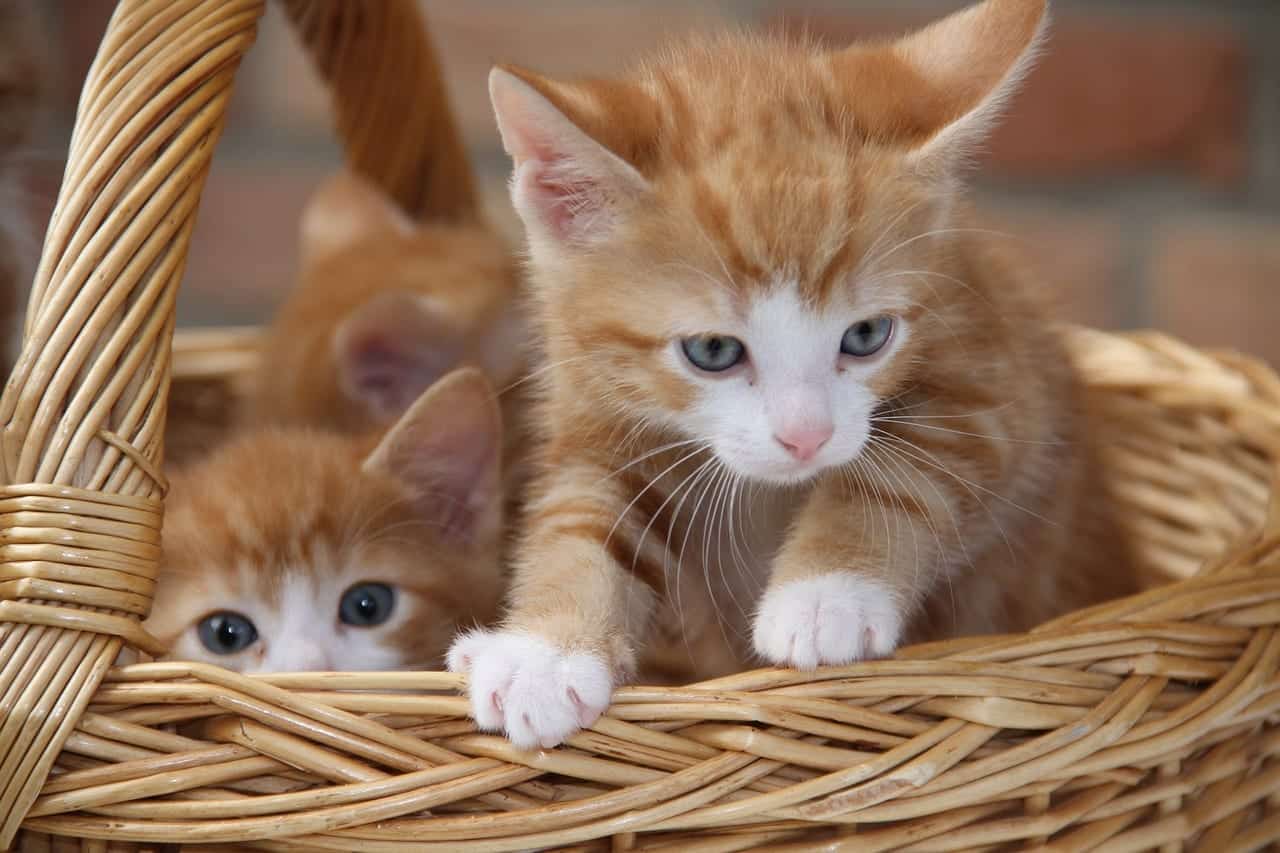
{"x": 795, "y": 407}
{"x": 384, "y": 306}
{"x": 289, "y": 549}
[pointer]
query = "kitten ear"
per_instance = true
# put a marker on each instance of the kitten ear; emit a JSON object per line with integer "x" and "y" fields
{"x": 566, "y": 186}
{"x": 970, "y": 63}
{"x": 344, "y": 211}
{"x": 447, "y": 448}
{"x": 390, "y": 350}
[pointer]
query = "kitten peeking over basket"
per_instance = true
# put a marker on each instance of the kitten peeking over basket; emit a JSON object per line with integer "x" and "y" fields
{"x": 796, "y": 409}
{"x": 290, "y": 549}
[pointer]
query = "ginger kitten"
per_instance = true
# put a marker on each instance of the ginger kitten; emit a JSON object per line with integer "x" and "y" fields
{"x": 293, "y": 549}
{"x": 383, "y": 307}
{"x": 796, "y": 409}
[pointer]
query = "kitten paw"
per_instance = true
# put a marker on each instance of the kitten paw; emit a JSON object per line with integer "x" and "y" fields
{"x": 522, "y": 685}
{"x": 829, "y": 620}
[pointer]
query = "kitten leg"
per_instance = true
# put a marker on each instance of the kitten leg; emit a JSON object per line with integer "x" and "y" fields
{"x": 569, "y": 636}
{"x": 840, "y": 591}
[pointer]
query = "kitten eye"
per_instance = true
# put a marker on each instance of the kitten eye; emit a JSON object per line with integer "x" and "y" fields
{"x": 713, "y": 353}
{"x": 867, "y": 337}
{"x": 367, "y": 604}
{"x": 226, "y": 633}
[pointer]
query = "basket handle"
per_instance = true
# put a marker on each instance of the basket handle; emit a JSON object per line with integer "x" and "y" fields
{"x": 82, "y": 415}
{"x": 405, "y": 140}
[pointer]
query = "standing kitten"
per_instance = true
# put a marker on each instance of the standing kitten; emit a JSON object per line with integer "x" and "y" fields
{"x": 289, "y": 549}
{"x": 781, "y": 368}
{"x": 383, "y": 307}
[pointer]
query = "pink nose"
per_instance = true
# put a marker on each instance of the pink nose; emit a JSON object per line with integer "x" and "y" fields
{"x": 804, "y": 442}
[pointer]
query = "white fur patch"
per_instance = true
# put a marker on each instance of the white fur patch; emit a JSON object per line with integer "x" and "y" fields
{"x": 522, "y": 685}
{"x": 829, "y": 620}
{"x": 299, "y": 632}
{"x": 796, "y": 380}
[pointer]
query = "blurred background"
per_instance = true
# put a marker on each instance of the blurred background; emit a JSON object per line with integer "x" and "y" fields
{"x": 1139, "y": 168}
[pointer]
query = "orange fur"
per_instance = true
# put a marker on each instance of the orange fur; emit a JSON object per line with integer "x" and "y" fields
{"x": 284, "y": 507}
{"x": 403, "y": 301}
{"x": 733, "y": 170}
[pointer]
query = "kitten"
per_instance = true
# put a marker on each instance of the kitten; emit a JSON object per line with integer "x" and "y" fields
{"x": 292, "y": 549}
{"x": 781, "y": 369}
{"x": 383, "y": 307}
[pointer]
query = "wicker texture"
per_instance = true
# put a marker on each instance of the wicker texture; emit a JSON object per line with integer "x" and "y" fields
{"x": 378, "y": 61}
{"x": 83, "y": 411}
{"x": 1133, "y": 725}
{"x": 1145, "y": 723}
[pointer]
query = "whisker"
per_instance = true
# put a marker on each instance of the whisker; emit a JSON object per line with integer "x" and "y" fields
{"x": 649, "y": 455}
{"x": 932, "y": 461}
{"x": 988, "y": 436}
{"x": 652, "y": 482}
{"x": 534, "y": 374}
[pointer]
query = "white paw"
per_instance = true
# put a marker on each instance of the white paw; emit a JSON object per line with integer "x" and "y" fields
{"x": 829, "y": 620}
{"x": 522, "y": 685}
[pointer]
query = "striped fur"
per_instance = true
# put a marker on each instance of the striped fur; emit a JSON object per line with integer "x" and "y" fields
{"x": 278, "y": 523}
{"x": 778, "y": 193}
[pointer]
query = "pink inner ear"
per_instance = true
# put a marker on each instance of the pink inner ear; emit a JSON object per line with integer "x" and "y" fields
{"x": 446, "y": 448}
{"x": 564, "y": 202}
{"x": 388, "y": 374}
{"x": 390, "y": 351}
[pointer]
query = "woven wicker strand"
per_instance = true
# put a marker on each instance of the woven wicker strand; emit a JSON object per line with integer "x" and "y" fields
{"x": 83, "y": 411}
{"x": 1132, "y": 725}
{"x": 379, "y": 63}
{"x": 1085, "y": 716}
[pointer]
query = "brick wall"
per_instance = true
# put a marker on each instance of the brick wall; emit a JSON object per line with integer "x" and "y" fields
{"x": 1139, "y": 168}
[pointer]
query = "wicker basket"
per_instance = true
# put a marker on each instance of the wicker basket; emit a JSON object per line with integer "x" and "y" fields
{"x": 1147, "y": 723}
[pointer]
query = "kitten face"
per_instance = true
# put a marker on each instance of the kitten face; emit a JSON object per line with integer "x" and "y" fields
{"x": 823, "y": 309}
{"x": 794, "y": 403}
{"x": 783, "y": 214}
{"x": 297, "y": 617}
{"x": 296, "y": 550}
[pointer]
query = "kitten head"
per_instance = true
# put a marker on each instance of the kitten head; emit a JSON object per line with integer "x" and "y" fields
{"x": 296, "y": 550}
{"x": 384, "y": 306}
{"x": 747, "y": 240}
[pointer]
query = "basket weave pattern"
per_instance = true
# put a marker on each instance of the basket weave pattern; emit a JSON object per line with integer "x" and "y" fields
{"x": 1145, "y": 723}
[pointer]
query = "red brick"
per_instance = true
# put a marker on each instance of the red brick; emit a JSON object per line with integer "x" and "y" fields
{"x": 277, "y": 86}
{"x": 1216, "y": 282}
{"x": 556, "y": 38}
{"x": 1077, "y": 254}
{"x": 1110, "y": 95}
{"x": 244, "y": 250}
{"x": 83, "y": 24}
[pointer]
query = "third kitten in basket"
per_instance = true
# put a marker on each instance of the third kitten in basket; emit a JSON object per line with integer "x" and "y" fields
{"x": 798, "y": 409}
{"x": 384, "y": 306}
{"x": 291, "y": 549}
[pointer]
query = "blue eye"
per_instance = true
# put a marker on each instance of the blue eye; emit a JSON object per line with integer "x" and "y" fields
{"x": 367, "y": 604}
{"x": 713, "y": 353}
{"x": 226, "y": 632}
{"x": 867, "y": 337}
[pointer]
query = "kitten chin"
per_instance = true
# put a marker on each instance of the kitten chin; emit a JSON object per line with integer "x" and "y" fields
{"x": 760, "y": 246}
{"x": 293, "y": 549}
